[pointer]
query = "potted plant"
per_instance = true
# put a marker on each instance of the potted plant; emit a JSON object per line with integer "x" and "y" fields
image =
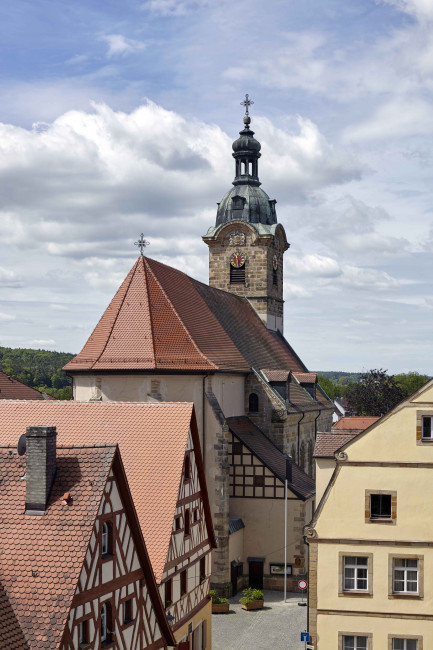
{"x": 252, "y": 599}
{"x": 219, "y": 605}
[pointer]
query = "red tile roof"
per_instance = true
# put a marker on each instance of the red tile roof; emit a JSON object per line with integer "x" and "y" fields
{"x": 152, "y": 439}
{"x": 328, "y": 443}
{"x": 355, "y": 422}
{"x": 160, "y": 318}
{"x": 276, "y": 375}
{"x": 13, "y": 389}
{"x": 306, "y": 377}
{"x": 41, "y": 557}
{"x": 265, "y": 450}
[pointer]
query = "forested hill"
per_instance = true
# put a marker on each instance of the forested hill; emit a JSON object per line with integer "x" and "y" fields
{"x": 41, "y": 369}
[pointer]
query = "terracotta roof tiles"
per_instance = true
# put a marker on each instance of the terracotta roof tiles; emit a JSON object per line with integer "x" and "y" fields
{"x": 355, "y": 422}
{"x": 152, "y": 438}
{"x": 41, "y": 557}
{"x": 11, "y": 388}
{"x": 328, "y": 443}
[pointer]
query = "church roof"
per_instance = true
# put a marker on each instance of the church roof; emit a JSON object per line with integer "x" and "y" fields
{"x": 153, "y": 462}
{"x": 259, "y": 444}
{"x": 161, "y": 319}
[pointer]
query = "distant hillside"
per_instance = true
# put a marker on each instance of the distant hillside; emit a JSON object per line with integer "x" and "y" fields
{"x": 342, "y": 378}
{"x": 41, "y": 369}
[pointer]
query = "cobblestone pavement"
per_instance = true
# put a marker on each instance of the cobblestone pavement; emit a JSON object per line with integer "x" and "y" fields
{"x": 277, "y": 626}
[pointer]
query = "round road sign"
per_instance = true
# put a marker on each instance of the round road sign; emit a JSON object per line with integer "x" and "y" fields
{"x": 302, "y": 584}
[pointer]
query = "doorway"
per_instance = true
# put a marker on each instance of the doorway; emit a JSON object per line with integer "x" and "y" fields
{"x": 256, "y": 573}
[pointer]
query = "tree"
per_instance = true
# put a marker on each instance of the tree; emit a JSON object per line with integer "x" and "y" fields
{"x": 376, "y": 393}
{"x": 410, "y": 382}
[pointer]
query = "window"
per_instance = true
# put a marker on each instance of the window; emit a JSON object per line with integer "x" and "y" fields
{"x": 259, "y": 481}
{"x": 84, "y": 633}
{"x": 168, "y": 593}
{"x": 274, "y": 277}
{"x": 127, "y": 611}
{"x": 237, "y": 276}
{"x": 177, "y": 523}
{"x": 404, "y": 644}
{"x": 187, "y": 469}
{"x": 380, "y": 506}
{"x": 183, "y": 583}
{"x": 355, "y": 642}
{"x": 196, "y": 515}
{"x": 187, "y": 526}
{"x": 253, "y": 403}
{"x": 355, "y": 573}
{"x": 202, "y": 569}
{"x": 107, "y": 539}
{"x": 427, "y": 427}
{"x": 405, "y": 575}
{"x": 106, "y": 624}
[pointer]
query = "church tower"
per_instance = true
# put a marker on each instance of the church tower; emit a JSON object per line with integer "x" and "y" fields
{"x": 246, "y": 245}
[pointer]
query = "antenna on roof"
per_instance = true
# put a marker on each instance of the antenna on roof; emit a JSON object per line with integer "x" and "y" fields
{"x": 22, "y": 445}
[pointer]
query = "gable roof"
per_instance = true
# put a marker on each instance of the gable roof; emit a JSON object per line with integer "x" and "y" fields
{"x": 11, "y": 388}
{"x": 328, "y": 443}
{"x": 355, "y": 422}
{"x": 152, "y": 438}
{"x": 41, "y": 557}
{"x": 162, "y": 319}
{"x": 259, "y": 444}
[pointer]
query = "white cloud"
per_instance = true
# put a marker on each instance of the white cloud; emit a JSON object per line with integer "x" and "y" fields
{"x": 421, "y": 9}
{"x": 6, "y": 317}
{"x": 174, "y": 7}
{"x": 48, "y": 342}
{"x": 119, "y": 45}
{"x": 9, "y": 279}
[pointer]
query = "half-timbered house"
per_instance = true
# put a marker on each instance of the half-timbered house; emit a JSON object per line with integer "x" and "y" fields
{"x": 74, "y": 570}
{"x": 161, "y": 452}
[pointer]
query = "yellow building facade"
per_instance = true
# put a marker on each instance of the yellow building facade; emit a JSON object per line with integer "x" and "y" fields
{"x": 371, "y": 537}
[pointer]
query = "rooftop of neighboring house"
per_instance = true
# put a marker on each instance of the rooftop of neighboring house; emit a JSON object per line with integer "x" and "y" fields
{"x": 152, "y": 438}
{"x": 342, "y": 432}
{"x": 11, "y": 388}
{"x": 355, "y": 423}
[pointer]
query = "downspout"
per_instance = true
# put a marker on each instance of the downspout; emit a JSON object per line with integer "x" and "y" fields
{"x": 299, "y": 437}
{"x": 315, "y": 425}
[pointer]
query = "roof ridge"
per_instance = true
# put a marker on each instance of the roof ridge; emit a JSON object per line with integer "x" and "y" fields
{"x": 134, "y": 268}
{"x": 186, "y": 330}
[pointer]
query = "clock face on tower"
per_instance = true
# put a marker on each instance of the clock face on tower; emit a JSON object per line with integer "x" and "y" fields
{"x": 237, "y": 260}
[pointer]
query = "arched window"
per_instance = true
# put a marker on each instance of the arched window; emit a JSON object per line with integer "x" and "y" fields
{"x": 253, "y": 403}
{"x": 107, "y": 538}
{"x": 106, "y": 624}
{"x": 237, "y": 275}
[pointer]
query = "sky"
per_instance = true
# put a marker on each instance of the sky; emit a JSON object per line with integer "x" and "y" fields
{"x": 117, "y": 118}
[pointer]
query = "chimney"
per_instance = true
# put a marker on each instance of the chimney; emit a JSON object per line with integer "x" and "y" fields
{"x": 40, "y": 467}
{"x": 288, "y": 468}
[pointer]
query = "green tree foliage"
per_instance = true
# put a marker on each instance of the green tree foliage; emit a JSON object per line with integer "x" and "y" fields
{"x": 410, "y": 382}
{"x": 40, "y": 369}
{"x": 331, "y": 388}
{"x": 376, "y": 393}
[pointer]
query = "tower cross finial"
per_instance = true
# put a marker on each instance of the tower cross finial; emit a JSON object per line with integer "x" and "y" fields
{"x": 247, "y": 102}
{"x": 141, "y": 243}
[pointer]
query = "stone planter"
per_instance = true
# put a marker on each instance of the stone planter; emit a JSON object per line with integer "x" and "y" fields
{"x": 253, "y": 604}
{"x": 220, "y": 608}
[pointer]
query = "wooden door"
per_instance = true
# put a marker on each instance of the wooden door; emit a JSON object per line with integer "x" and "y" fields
{"x": 256, "y": 575}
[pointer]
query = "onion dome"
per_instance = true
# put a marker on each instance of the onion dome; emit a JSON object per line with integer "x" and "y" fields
{"x": 246, "y": 201}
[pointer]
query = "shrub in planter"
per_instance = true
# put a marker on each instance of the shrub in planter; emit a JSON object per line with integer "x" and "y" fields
{"x": 252, "y": 599}
{"x": 219, "y": 605}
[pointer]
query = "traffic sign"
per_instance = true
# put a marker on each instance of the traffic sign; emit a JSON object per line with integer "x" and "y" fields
{"x": 302, "y": 584}
{"x": 305, "y": 636}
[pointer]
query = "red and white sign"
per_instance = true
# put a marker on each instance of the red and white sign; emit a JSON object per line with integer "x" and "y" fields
{"x": 302, "y": 584}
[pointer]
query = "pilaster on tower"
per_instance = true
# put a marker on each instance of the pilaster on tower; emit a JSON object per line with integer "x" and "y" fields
{"x": 247, "y": 244}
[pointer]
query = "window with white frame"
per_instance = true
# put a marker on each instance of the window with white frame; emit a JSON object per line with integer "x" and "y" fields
{"x": 405, "y": 576}
{"x": 355, "y": 573}
{"x": 104, "y": 630}
{"x": 427, "y": 427}
{"x": 404, "y": 644}
{"x": 355, "y": 642}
